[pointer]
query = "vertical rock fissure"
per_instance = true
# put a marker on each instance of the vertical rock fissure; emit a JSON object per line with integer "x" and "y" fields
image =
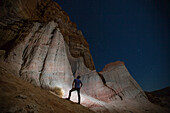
{"x": 57, "y": 51}
{"x": 43, "y": 66}
{"x": 102, "y": 78}
{"x": 41, "y": 72}
{"x": 26, "y": 47}
{"x": 24, "y": 59}
{"x": 104, "y": 83}
{"x": 118, "y": 83}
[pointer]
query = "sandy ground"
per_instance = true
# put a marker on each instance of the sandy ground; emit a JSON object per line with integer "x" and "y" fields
{"x": 18, "y": 96}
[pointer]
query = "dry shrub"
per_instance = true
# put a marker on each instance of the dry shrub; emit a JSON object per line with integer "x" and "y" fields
{"x": 58, "y": 91}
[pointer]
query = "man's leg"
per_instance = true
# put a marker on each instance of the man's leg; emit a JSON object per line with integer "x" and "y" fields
{"x": 78, "y": 93}
{"x": 73, "y": 89}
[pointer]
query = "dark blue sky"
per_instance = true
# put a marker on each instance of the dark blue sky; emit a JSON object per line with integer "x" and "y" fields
{"x": 134, "y": 31}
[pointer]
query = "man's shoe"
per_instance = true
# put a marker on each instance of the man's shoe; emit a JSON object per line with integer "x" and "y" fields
{"x": 67, "y": 99}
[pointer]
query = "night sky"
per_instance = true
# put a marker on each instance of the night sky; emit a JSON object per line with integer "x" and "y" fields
{"x": 134, "y": 31}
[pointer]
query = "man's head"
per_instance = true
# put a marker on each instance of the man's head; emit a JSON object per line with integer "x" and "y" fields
{"x": 78, "y": 77}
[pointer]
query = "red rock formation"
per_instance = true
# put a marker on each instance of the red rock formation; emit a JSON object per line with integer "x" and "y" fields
{"x": 111, "y": 65}
{"x": 40, "y": 44}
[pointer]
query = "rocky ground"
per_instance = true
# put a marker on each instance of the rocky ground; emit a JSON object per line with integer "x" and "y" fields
{"x": 18, "y": 96}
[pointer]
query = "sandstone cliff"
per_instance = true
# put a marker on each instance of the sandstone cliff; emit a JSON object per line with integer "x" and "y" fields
{"x": 17, "y": 18}
{"x": 41, "y": 45}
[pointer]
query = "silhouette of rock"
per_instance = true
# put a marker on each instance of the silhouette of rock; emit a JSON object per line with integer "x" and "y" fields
{"x": 160, "y": 97}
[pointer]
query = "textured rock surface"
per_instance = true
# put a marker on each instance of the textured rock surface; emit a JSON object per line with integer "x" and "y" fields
{"x": 18, "y": 96}
{"x": 17, "y": 17}
{"x": 40, "y": 44}
{"x": 118, "y": 78}
{"x": 41, "y": 58}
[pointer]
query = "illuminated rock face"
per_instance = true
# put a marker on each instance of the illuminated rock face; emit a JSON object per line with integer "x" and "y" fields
{"x": 119, "y": 79}
{"x": 40, "y": 44}
{"x": 41, "y": 58}
{"x": 18, "y": 16}
{"x": 112, "y": 84}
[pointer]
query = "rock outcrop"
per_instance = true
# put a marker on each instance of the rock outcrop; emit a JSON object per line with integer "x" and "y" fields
{"x": 118, "y": 78}
{"x": 41, "y": 45}
{"x": 18, "y": 16}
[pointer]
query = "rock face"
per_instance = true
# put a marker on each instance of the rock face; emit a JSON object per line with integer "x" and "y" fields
{"x": 18, "y": 16}
{"x": 41, "y": 57}
{"x": 118, "y": 78}
{"x": 40, "y": 44}
{"x": 18, "y": 96}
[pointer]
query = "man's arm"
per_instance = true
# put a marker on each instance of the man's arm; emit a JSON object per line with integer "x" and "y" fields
{"x": 81, "y": 84}
{"x": 73, "y": 84}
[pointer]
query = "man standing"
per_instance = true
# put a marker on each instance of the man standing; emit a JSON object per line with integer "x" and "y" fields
{"x": 77, "y": 84}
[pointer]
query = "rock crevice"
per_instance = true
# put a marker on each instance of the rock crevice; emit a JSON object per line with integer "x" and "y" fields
{"x": 104, "y": 82}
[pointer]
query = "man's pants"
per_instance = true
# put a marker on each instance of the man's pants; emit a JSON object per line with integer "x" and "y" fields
{"x": 78, "y": 93}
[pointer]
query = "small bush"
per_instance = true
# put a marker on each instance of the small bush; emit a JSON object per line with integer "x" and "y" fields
{"x": 58, "y": 91}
